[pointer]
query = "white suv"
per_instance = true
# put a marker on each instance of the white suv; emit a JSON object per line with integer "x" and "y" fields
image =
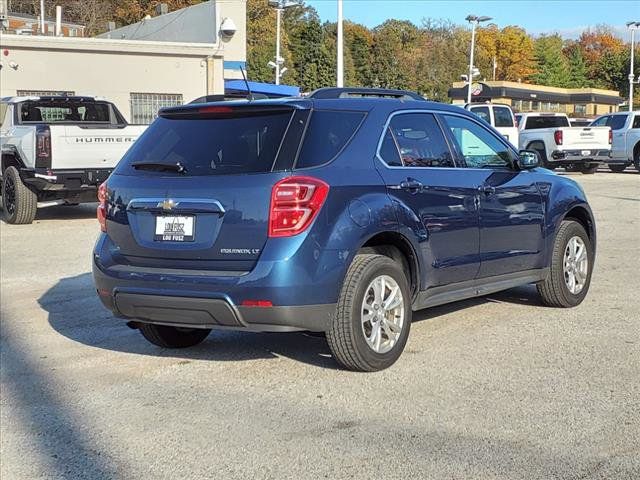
{"x": 499, "y": 117}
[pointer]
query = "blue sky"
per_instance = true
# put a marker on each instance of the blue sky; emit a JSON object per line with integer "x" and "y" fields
{"x": 568, "y": 17}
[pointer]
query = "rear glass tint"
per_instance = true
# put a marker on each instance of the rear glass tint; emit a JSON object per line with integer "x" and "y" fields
{"x": 546, "y": 122}
{"x": 327, "y": 134}
{"x": 502, "y": 117}
{"x": 209, "y": 146}
{"x": 64, "y": 112}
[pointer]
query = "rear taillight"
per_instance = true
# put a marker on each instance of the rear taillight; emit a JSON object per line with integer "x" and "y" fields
{"x": 557, "y": 136}
{"x": 295, "y": 202}
{"x": 103, "y": 196}
{"x": 43, "y": 146}
{"x": 610, "y": 136}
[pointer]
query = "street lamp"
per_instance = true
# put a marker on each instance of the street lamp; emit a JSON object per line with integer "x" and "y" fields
{"x": 474, "y": 20}
{"x": 279, "y": 5}
{"x": 633, "y": 26}
{"x": 339, "y": 49}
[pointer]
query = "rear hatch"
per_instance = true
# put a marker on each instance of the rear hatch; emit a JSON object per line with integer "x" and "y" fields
{"x": 194, "y": 191}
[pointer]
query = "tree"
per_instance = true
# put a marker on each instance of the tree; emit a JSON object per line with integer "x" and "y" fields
{"x": 515, "y": 55}
{"x": 577, "y": 66}
{"x": 552, "y": 66}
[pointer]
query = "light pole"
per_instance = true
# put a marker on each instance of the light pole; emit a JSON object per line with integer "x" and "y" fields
{"x": 279, "y": 5}
{"x": 340, "y": 46}
{"x": 474, "y": 20}
{"x": 633, "y": 26}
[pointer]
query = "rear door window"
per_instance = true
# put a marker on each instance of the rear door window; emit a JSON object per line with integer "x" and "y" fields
{"x": 617, "y": 122}
{"x": 502, "y": 117}
{"x": 208, "y": 146}
{"x": 636, "y": 122}
{"x": 327, "y": 134}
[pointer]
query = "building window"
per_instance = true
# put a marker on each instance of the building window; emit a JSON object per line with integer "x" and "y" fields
{"x": 581, "y": 109}
{"x": 145, "y": 106}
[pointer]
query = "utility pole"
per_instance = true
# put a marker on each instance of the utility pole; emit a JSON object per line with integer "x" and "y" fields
{"x": 340, "y": 47}
{"x": 633, "y": 26}
{"x": 41, "y": 17}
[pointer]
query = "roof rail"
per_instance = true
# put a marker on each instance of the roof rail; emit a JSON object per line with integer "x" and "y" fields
{"x": 351, "y": 92}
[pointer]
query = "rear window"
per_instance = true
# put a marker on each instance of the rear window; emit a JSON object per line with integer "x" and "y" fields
{"x": 327, "y": 134}
{"x": 208, "y": 146}
{"x": 546, "y": 122}
{"x": 64, "y": 112}
{"x": 502, "y": 117}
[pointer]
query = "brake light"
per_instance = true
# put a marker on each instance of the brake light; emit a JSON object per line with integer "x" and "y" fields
{"x": 212, "y": 109}
{"x": 43, "y": 143}
{"x": 295, "y": 202}
{"x": 257, "y": 303}
{"x": 101, "y": 212}
{"x": 610, "y": 136}
{"x": 557, "y": 136}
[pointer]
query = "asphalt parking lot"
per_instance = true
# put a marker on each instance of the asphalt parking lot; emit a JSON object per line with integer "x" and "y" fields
{"x": 498, "y": 387}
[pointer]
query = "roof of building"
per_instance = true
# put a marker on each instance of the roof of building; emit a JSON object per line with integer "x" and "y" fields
{"x": 194, "y": 24}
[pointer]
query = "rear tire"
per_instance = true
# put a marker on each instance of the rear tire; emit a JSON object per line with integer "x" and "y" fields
{"x": 173, "y": 337}
{"x": 555, "y": 291}
{"x": 618, "y": 168}
{"x": 374, "y": 340}
{"x": 636, "y": 159}
{"x": 589, "y": 169}
{"x": 18, "y": 202}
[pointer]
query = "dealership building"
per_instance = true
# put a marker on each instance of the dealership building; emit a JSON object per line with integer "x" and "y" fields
{"x": 525, "y": 97}
{"x": 166, "y": 60}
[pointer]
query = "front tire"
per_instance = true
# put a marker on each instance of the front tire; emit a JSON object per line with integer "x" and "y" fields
{"x": 589, "y": 169}
{"x": 173, "y": 337}
{"x": 18, "y": 202}
{"x": 373, "y": 316}
{"x": 571, "y": 266}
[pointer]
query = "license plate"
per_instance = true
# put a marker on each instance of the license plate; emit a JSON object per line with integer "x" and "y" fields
{"x": 585, "y": 152}
{"x": 174, "y": 229}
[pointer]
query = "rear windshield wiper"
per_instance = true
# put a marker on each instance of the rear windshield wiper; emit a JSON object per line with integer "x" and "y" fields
{"x": 161, "y": 167}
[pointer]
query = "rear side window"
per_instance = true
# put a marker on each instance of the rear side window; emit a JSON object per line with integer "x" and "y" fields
{"x": 208, "y": 146}
{"x": 617, "y": 122}
{"x": 483, "y": 113}
{"x": 502, "y": 117}
{"x": 327, "y": 134}
{"x": 546, "y": 122}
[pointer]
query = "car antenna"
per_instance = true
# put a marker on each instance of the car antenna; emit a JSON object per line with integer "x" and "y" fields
{"x": 244, "y": 77}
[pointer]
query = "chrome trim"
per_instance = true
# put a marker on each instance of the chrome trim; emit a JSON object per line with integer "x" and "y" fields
{"x": 52, "y": 178}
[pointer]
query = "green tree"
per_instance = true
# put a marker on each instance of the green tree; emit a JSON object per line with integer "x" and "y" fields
{"x": 577, "y": 66}
{"x": 552, "y": 66}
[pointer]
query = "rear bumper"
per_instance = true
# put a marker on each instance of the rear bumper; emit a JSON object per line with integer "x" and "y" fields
{"x": 565, "y": 157}
{"x": 76, "y": 180}
{"x": 217, "y": 312}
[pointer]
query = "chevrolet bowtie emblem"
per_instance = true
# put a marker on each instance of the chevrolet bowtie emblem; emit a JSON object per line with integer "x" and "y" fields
{"x": 167, "y": 204}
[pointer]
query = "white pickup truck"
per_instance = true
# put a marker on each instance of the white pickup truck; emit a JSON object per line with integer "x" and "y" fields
{"x": 625, "y": 149}
{"x": 560, "y": 145}
{"x": 57, "y": 150}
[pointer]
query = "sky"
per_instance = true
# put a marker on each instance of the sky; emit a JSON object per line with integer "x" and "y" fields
{"x": 568, "y": 17}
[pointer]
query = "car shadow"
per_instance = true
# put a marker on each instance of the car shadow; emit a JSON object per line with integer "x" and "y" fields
{"x": 61, "y": 212}
{"x": 75, "y": 311}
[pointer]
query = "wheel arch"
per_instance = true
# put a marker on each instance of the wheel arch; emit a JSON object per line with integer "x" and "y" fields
{"x": 11, "y": 158}
{"x": 581, "y": 215}
{"x": 396, "y": 246}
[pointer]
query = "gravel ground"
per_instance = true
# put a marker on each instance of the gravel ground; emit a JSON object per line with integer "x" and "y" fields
{"x": 498, "y": 387}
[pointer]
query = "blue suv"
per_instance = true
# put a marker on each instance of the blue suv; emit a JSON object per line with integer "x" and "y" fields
{"x": 340, "y": 213}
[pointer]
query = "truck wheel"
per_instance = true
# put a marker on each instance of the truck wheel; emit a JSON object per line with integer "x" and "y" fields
{"x": 617, "y": 168}
{"x": 542, "y": 153}
{"x": 173, "y": 337}
{"x": 571, "y": 266}
{"x": 636, "y": 159}
{"x": 18, "y": 202}
{"x": 373, "y": 316}
{"x": 589, "y": 169}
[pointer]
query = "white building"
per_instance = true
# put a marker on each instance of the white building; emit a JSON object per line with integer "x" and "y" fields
{"x": 139, "y": 74}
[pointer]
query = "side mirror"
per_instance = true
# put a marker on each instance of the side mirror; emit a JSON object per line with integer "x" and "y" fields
{"x": 527, "y": 159}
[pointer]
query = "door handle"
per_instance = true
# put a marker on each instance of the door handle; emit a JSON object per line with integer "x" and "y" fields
{"x": 410, "y": 184}
{"x": 487, "y": 189}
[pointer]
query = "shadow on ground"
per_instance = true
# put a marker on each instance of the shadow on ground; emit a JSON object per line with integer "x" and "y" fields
{"x": 61, "y": 212}
{"x": 75, "y": 312}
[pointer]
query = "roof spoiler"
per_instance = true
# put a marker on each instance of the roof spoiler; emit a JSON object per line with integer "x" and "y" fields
{"x": 359, "y": 92}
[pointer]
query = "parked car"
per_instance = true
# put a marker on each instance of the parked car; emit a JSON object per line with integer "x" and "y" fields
{"x": 57, "y": 150}
{"x": 560, "y": 145}
{"x": 329, "y": 214}
{"x": 625, "y": 149}
{"x": 498, "y": 116}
